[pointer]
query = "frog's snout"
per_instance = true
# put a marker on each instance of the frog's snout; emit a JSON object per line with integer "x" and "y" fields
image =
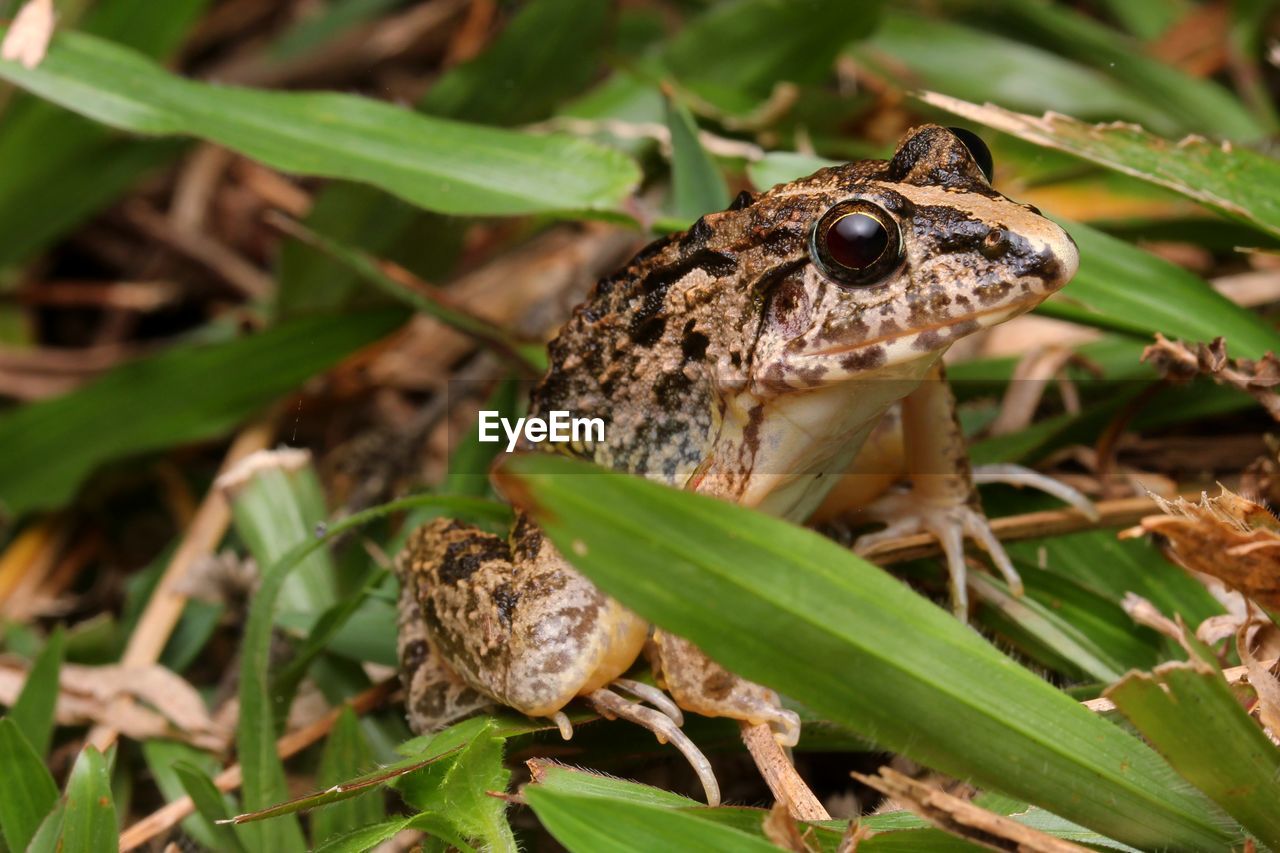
{"x": 1067, "y": 254}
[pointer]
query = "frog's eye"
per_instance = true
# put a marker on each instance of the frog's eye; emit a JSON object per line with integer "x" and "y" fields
{"x": 978, "y": 150}
{"x": 856, "y": 243}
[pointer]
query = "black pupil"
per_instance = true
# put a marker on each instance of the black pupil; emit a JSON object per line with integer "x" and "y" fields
{"x": 978, "y": 150}
{"x": 856, "y": 240}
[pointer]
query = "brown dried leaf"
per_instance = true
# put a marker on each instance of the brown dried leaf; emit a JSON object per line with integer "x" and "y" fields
{"x": 781, "y": 828}
{"x": 962, "y": 818}
{"x": 86, "y": 695}
{"x": 1177, "y": 360}
{"x": 854, "y": 835}
{"x": 29, "y": 35}
{"x": 1264, "y": 683}
{"x": 1228, "y": 537}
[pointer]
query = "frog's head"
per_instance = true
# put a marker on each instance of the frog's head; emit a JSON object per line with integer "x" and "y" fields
{"x": 899, "y": 260}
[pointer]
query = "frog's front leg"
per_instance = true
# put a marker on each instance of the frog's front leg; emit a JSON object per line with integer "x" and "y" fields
{"x": 509, "y": 622}
{"x": 941, "y": 499}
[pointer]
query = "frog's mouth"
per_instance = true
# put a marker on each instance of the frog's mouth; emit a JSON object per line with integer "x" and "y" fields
{"x": 931, "y": 337}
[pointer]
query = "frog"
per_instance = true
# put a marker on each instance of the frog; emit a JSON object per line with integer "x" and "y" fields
{"x": 748, "y": 358}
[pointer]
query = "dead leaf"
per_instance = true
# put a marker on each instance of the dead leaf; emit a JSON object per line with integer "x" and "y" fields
{"x": 854, "y": 835}
{"x": 1227, "y": 537}
{"x": 1177, "y": 360}
{"x": 173, "y": 707}
{"x": 783, "y": 830}
{"x": 29, "y": 34}
{"x": 1265, "y": 684}
{"x": 962, "y": 818}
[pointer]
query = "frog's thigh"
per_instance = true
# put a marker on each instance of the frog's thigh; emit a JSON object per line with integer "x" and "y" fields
{"x": 434, "y": 694}
{"x": 513, "y": 619}
{"x": 699, "y": 684}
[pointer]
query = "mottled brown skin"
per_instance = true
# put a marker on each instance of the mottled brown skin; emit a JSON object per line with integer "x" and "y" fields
{"x": 723, "y": 361}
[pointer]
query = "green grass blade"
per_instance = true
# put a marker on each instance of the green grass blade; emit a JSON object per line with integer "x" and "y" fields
{"x": 1200, "y": 105}
{"x": 1236, "y": 181}
{"x": 1189, "y": 714}
{"x": 1122, "y": 287}
{"x": 553, "y": 48}
{"x": 51, "y": 446}
{"x": 89, "y": 825}
{"x": 790, "y": 609}
{"x": 165, "y": 759}
{"x": 56, "y": 168}
{"x": 439, "y": 165}
{"x": 591, "y": 824}
{"x": 346, "y": 754}
{"x": 698, "y": 186}
{"x": 979, "y": 65}
{"x": 33, "y": 712}
{"x": 29, "y": 794}
{"x": 734, "y": 54}
{"x": 211, "y": 807}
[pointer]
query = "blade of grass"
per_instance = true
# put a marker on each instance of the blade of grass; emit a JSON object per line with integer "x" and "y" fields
{"x": 436, "y": 164}
{"x": 89, "y": 825}
{"x": 56, "y": 168}
{"x": 346, "y": 754}
{"x": 980, "y": 65}
{"x": 1189, "y": 714}
{"x": 30, "y": 794}
{"x": 698, "y": 186}
{"x": 551, "y": 48}
{"x": 51, "y": 446}
{"x": 1201, "y": 105}
{"x": 33, "y": 712}
{"x": 1234, "y": 180}
{"x": 211, "y": 806}
{"x": 733, "y": 56}
{"x": 589, "y": 823}
{"x": 787, "y": 608}
{"x": 164, "y": 759}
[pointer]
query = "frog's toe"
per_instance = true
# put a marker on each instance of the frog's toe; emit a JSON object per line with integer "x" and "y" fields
{"x": 612, "y": 705}
{"x": 950, "y": 524}
{"x": 1023, "y": 477}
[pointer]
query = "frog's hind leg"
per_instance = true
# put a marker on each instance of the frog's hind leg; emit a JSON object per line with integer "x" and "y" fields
{"x": 663, "y": 725}
{"x": 699, "y": 684}
{"x": 434, "y": 695}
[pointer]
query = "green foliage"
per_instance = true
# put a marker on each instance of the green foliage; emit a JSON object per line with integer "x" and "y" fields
{"x": 1180, "y": 764}
{"x": 53, "y": 445}
{"x": 346, "y": 754}
{"x": 1189, "y": 714}
{"x": 454, "y": 168}
{"x": 787, "y": 602}
{"x": 456, "y": 789}
{"x": 89, "y": 824}
{"x": 33, "y": 713}
{"x": 23, "y": 806}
